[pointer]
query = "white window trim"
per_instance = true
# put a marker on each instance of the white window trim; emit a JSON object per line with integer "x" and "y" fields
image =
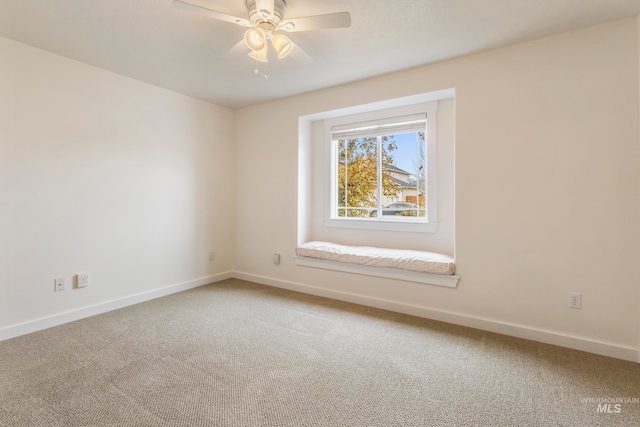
{"x": 383, "y": 224}
{"x": 406, "y": 225}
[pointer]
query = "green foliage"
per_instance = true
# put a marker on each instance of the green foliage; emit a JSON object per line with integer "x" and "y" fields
{"x": 413, "y": 212}
{"x": 357, "y": 174}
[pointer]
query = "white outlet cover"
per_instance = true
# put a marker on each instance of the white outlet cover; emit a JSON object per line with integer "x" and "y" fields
{"x": 575, "y": 300}
{"x": 82, "y": 280}
{"x": 58, "y": 284}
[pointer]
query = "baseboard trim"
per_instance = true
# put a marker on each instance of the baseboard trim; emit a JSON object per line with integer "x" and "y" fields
{"x": 518, "y": 331}
{"x": 81, "y": 313}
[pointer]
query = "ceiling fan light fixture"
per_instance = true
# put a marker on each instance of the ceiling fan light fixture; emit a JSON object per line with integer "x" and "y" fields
{"x": 254, "y": 39}
{"x": 260, "y": 55}
{"x": 282, "y": 44}
{"x": 266, "y": 17}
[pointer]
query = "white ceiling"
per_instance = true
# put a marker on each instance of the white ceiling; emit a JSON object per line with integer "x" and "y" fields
{"x": 151, "y": 41}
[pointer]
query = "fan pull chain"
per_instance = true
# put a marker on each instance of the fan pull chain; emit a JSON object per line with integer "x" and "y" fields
{"x": 256, "y": 70}
{"x": 266, "y": 76}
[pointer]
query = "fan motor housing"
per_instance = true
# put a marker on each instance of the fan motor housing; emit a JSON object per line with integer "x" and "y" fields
{"x": 255, "y": 17}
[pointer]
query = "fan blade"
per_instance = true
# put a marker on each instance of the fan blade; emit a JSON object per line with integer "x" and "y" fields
{"x": 299, "y": 55}
{"x": 179, "y": 4}
{"x": 236, "y": 50}
{"x": 265, "y": 8}
{"x": 318, "y": 22}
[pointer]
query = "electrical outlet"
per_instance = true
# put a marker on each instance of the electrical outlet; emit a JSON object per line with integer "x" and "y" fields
{"x": 58, "y": 284}
{"x": 575, "y": 300}
{"x": 82, "y": 280}
{"x": 212, "y": 256}
{"x": 276, "y": 259}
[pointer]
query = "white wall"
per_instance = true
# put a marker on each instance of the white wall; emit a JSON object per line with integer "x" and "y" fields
{"x": 100, "y": 173}
{"x": 547, "y": 187}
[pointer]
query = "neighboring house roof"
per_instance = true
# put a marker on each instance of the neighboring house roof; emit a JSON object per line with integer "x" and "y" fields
{"x": 400, "y": 182}
{"x": 405, "y": 184}
{"x": 395, "y": 169}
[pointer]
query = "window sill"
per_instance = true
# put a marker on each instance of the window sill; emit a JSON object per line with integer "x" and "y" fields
{"x": 389, "y": 273}
{"x": 381, "y": 224}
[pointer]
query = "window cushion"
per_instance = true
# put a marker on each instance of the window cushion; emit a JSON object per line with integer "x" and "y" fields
{"x": 403, "y": 259}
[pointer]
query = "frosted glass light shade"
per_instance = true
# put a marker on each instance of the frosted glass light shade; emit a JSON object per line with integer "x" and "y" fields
{"x": 282, "y": 45}
{"x": 260, "y": 55}
{"x": 254, "y": 39}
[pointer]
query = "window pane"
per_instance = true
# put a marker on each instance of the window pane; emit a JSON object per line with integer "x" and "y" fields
{"x": 357, "y": 177}
{"x": 404, "y": 166}
{"x": 401, "y": 181}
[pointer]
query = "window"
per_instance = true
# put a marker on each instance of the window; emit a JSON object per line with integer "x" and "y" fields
{"x": 383, "y": 168}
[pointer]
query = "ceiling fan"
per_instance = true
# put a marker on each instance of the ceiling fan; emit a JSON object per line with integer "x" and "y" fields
{"x": 266, "y": 18}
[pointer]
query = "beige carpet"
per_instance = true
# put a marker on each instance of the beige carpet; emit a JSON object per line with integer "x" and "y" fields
{"x": 241, "y": 354}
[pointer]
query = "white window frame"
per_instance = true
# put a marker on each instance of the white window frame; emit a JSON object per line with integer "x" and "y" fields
{"x": 427, "y": 224}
